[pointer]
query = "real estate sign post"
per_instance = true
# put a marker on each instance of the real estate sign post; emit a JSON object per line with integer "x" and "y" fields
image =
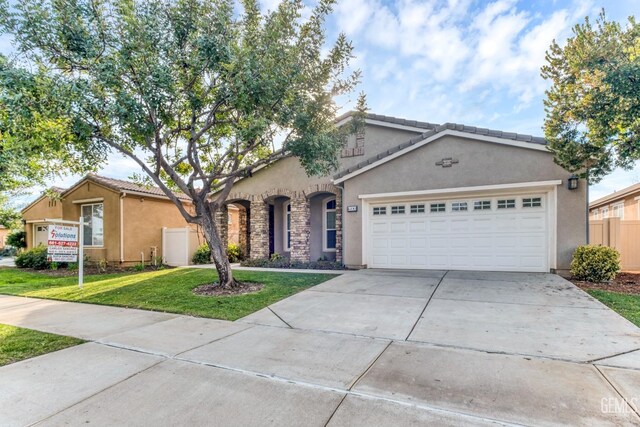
{"x": 65, "y": 244}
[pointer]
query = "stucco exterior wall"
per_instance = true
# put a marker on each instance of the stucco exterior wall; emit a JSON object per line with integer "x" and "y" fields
{"x": 4, "y": 232}
{"x": 631, "y": 207}
{"x": 480, "y": 163}
{"x": 110, "y": 250}
{"x": 43, "y": 208}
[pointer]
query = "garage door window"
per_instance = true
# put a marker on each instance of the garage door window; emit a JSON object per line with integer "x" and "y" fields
{"x": 482, "y": 205}
{"x": 416, "y": 209}
{"x": 531, "y": 202}
{"x": 395, "y": 210}
{"x": 382, "y": 210}
{"x": 459, "y": 206}
{"x": 507, "y": 204}
{"x": 437, "y": 207}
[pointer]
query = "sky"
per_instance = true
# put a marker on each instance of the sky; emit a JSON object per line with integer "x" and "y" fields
{"x": 463, "y": 61}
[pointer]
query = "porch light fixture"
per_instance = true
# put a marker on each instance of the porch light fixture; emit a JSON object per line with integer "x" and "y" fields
{"x": 572, "y": 182}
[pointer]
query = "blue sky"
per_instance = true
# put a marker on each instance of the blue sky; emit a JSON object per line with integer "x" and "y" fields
{"x": 472, "y": 62}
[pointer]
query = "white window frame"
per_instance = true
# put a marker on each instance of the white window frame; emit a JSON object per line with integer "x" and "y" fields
{"x": 399, "y": 209}
{"x": 286, "y": 226}
{"x": 618, "y": 208}
{"x": 419, "y": 208}
{"x": 379, "y": 210}
{"x": 324, "y": 224}
{"x": 605, "y": 212}
{"x": 481, "y": 205}
{"x": 460, "y": 206}
{"x": 437, "y": 206}
{"x": 532, "y": 200}
{"x": 82, "y": 215}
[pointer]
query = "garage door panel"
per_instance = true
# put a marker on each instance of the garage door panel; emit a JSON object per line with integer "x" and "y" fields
{"x": 512, "y": 238}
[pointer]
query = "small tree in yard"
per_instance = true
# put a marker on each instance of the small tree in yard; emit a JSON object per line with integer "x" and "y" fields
{"x": 593, "y": 106}
{"x": 194, "y": 93}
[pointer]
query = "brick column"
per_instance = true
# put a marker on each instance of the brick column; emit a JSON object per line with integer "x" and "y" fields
{"x": 259, "y": 224}
{"x": 339, "y": 226}
{"x": 222, "y": 224}
{"x": 242, "y": 232}
{"x": 300, "y": 229}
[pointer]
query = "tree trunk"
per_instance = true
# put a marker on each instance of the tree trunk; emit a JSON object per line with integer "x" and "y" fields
{"x": 218, "y": 249}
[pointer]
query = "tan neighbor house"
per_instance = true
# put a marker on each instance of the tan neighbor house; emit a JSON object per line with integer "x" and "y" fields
{"x": 4, "y": 232}
{"x": 126, "y": 219}
{"x": 623, "y": 204}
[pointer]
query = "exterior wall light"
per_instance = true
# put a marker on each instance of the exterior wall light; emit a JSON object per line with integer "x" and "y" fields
{"x": 572, "y": 182}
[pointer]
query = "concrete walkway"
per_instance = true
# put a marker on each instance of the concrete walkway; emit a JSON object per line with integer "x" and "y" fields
{"x": 366, "y": 348}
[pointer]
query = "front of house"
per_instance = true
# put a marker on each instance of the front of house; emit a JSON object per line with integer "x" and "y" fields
{"x": 417, "y": 195}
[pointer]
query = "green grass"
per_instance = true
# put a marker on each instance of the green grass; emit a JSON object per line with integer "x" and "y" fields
{"x": 18, "y": 343}
{"x": 628, "y": 306}
{"x": 167, "y": 290}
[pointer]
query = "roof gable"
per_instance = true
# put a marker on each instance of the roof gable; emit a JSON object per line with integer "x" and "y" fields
{"x": 625, "y": 192}
{"x": 122, "y": 186}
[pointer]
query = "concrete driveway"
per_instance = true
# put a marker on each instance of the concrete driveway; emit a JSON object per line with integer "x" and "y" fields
{"x": 366, "y": 348}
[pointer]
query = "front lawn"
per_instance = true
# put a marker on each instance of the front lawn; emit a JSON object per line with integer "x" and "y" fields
{"x": 627, "y": 305}
{"x": 167, "y": 290}
{"x": 18, "y": 343}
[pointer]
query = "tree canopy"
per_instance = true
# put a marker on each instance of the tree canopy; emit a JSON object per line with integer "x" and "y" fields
{"x": 593, "y": 105}
{"x": 194, "y": 91}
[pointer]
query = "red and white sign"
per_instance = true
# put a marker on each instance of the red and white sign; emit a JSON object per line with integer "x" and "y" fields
{"x": 63, "y": 243}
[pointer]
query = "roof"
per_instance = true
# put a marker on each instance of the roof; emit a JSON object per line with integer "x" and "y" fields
{"x": 389, "y": 119}
{"x": 441, "y": 129}
{"x": 121, "y": 185}
{"x": 615, "y": 196}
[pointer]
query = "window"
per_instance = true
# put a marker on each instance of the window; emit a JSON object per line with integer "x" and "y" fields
{"x": 397, "y": 210}
{"x": 459, "y": 206}
{"x": 437, "y": 207}
{"x": 507, "y": 204}
{"x": 417, "y": 209}
{"x": 482, "y": 205}
{"x": 605, "y": 213}
{"x": 92, "y": 216}
{"x": 287, "y": 226}
{"x": 617, "y": 210}
{"x": 382, "y": 210}
{"x": 329, "y": 237}
{"x": 531, "y": 202}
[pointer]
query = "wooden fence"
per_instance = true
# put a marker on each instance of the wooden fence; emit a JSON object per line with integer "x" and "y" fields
{"x": 621, "y": 235}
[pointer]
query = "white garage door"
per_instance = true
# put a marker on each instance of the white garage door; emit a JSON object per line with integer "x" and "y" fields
{"x": 504, "y": 233}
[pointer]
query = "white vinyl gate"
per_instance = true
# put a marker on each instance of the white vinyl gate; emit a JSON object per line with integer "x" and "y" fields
{"x": 179, "y": 245}
{"x": 500, "y": 233}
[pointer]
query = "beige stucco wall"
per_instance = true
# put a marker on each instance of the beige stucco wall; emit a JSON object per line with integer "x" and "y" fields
{"x": 43, "y": 208}
{"x": 3, "y": 237}
{"x": 144, "y": 218}
{"x": 480, "y": 163}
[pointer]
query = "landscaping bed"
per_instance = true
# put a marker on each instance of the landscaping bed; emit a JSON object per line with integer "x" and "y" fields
{"x": 624, "y": 283}
{"x": 19, "y": 343}
{"x": 282, "y": 262}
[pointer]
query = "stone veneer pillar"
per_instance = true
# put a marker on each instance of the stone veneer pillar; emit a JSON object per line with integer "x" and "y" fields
{"x": 222, "y": 224}
{"x": 242, "y": 232}
{"x": 339, "y": 226}
{"x": 259, "y": 224}
{"x": 300, "y": 228}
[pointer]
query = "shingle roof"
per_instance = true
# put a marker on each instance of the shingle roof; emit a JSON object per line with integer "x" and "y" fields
{"x": 615, "y": 195}
{"x": 391, "y": 120}
{"x": 124, "y": 186}
{"x": 436, "y": 130}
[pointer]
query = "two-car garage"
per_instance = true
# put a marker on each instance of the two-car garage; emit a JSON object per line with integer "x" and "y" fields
{"x": 497, "y": 232}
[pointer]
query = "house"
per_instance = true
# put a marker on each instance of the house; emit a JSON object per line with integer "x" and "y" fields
{"x": 4, "y": 232}
{"x": 417, "y": 195}
{"x": 623, "y": 204}
{"x": 126, "y": 220}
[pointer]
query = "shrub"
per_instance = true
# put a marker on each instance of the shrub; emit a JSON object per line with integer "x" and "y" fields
{"x": 234, "y": 252}
{"x": 139, "y": 267}
{"x": 595, "y": 263}
{"x": 202, "y": 255}
{"x": 282, "y": 262}
{"x": 102, "y": 265}
{"x": 35, "y": 258}
{"x": 17, "y": 239}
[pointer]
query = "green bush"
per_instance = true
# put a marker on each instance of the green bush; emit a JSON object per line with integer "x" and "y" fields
{"x": 595, "y": 263}
{"x": 202, "y": 255}
{"x": 35, "y": 258}
{"x": 17, "y": 239}
{"x": 280, "y": 261}
{"x": 234, "y": 252}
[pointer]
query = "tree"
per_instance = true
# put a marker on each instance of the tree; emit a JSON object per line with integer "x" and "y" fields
{"x": 195, "y": 93}
{"x": 9, "y": 216}
{"x": 593, "y": 105}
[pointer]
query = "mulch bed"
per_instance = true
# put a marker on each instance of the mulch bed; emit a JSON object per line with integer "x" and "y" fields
{"x": 214, "y": 289}
{"x": 624, "y": 283}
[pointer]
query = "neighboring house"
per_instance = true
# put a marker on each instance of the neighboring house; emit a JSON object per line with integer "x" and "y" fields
{"x": 623, "y": 204}
{"x": 418, "y": 196}
{"x": 4, "y": 232}
{"x": 125, "y": 220}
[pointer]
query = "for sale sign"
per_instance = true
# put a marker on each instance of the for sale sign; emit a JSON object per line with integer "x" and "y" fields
{"x": 62, "y": 243}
